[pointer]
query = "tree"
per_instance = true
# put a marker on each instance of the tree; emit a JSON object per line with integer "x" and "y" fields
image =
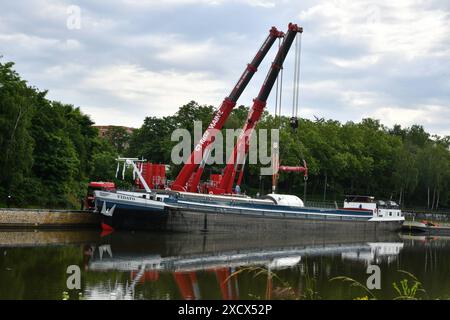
{"x": 47, "y": 147}
{"x": 50, "y": 150}
{"x": 152, "y": 140}
{"x": 16, "y": 145}
{"x": 119, "y": 138}
{"x": 406, "y": 173}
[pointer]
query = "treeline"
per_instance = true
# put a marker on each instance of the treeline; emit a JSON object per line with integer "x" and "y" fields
{"x": 49, "y": 150}
{"x": 407, "y": 165}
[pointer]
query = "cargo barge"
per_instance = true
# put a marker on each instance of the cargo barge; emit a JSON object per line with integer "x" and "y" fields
{"x": 274, "y": 213}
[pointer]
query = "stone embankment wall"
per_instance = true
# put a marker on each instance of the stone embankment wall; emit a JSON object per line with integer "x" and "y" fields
{"x": 46, "y": 218}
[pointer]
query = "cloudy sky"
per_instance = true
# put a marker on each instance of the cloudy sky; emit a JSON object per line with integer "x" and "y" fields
{"x": 127, "y": 59}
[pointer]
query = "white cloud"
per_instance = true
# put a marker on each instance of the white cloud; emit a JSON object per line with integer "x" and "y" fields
{"x": 72, "y": 44}
{"x": 262, "y": 3}
{"x": 28, "y": 42}
{"x": 49, "y": 9}
{"x": 344, "y": 97}
{"x": 426, "y": 115}
{"x": 179, "y": 52}
{"x": 136, "y": 90}
{"x": 404, "y": 27}
{"x": 176, "y": 51}
{"x": 358, "y": 63}
{"x": 169, "y": 3}
{"x": 172, "y": 3}
{"x": 133, "y": 58}
{"x": 383, "y": 59}
{"x": 23, "y": 43}
{"x": 360, "y": 99}
{"x": 59, "y": 72}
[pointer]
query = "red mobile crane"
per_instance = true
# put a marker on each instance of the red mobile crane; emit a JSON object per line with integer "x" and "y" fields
{"x": 240, "y": 151}
{"x": 221, "y": 115}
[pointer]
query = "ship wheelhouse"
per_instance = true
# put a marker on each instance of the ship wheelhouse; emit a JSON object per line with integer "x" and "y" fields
{"x": 380, "y": 208}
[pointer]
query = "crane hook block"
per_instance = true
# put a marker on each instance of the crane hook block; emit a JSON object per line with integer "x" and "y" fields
{"x": 294, "y": 123}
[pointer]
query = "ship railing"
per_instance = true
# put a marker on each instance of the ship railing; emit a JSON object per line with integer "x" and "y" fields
{"x": 321, "y": 204}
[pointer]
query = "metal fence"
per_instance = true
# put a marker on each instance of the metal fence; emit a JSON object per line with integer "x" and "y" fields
{"x": 443, "y": 217}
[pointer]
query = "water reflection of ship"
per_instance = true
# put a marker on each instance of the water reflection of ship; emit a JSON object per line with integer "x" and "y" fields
{"x": 376, "y": 253}
{"x": 184, "y": 262}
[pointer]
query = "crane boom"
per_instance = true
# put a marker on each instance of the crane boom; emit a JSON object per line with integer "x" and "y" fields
{"x": 241, "y": 147}
{"x": 223, "y": 112}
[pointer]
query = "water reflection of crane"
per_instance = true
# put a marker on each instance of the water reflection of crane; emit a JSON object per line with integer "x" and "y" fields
{"x": 189, "y": 288}
{"x": 186, "y": 281}
{"x": 227, "y": 279}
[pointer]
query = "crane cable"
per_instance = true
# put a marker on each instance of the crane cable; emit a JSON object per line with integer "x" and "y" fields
{"x": 296, "y": 86}
{"x": 295, "y": 99}
{"x": 296, "y": 93}
{"x": 279, "y": 90}
{"x": 276, "y": 88}
{"x": 277, "y": 119}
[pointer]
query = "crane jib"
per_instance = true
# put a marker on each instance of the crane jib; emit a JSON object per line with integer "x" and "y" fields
{"x": 224, "y": 111}
{"x": 207, "y": 133}
{"x": 259, "y": 103}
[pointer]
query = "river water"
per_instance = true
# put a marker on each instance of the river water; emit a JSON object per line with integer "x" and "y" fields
{"x": 127, "y": 265}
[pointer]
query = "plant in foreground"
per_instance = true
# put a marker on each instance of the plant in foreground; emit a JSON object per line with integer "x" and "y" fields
{"x": 356, "y": 284}
{"x": 278, "y": 288}
{"x": 404, "y": 289}
{"x": 409, "y": 288}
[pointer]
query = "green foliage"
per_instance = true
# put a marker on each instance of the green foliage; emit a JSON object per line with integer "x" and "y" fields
{"x": 103, "y": 161}
{"x": 403, "y": 289}
{"x": 406, "y": 291}
{"x": 402, "y": 164}
{"x": 356, "y": 284}
{"x": 50, "y": 150}
{"x": 363, "y": 158}
{"x": 282, "y": 289}
{"x": 152, "y": 140}
{"x": 16, "y": 106}
{"x": 277, "y": 288}
{"x": 119, "y": 138}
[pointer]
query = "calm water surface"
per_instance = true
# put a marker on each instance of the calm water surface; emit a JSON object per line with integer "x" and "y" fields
{"x": 33, "y": 265}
